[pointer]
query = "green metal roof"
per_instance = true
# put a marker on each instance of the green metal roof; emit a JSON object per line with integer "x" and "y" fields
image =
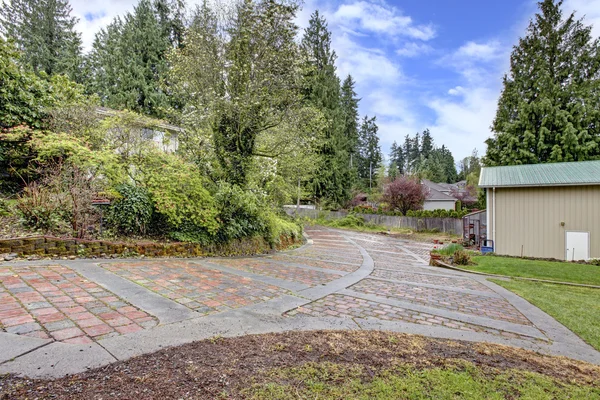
{"x": 553, "y": 174}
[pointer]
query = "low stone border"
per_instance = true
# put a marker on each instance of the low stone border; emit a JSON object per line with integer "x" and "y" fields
{"x": 48, "y": 246}
{"x": 442, "y": 264}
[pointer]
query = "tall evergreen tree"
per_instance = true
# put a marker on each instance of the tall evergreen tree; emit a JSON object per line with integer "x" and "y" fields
{"x": 397, "y": 160}
{"x": 44, "y": 31}
{"x": 549, "y": 110}
{"x": 370, "y": 151}
{"x": 322, "y": 90}
{"x": 408, "y": 152}
{"x": 349, "y": 106}
{"x": 128, "y": 59}
{"x": 426, "y": 144}
{"x": 415, "y": 153}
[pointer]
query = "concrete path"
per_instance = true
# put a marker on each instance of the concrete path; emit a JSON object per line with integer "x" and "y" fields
{"x": 59, "y": 318}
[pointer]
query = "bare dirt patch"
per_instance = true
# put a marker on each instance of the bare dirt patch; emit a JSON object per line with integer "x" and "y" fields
{"x": 222, "y": 368}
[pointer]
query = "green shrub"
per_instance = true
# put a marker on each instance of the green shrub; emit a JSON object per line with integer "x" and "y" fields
{"x": 241, "y": 213}
{"x": 279, "y": 227}
{"x": 5, "y": 207}
{"x": 349, "y": 221}
{"x": 449, "y": 250}
{"x": 42, "y": 208}
{"x": 132, "y": 212}
{"x": 179, "y": 193}
{"x": 595, "y": 261}
{"x": 462, "y": 257}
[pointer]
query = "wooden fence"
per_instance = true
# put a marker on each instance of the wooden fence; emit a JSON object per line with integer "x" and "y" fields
{"x": 448, "y": 225}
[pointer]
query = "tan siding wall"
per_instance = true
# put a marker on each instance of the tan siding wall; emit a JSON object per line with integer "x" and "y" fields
{"x": 528, "y": 219}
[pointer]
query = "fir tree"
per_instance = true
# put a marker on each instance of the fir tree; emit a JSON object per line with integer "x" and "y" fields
{"x": 370, "y": 151}
{"x": 349, "y": 107}
{"x": 549, "y": 110}
{"x": 426, "y": 144}
{"x": 407, "y": 151}
{"x": 44, "y": 31}
{"x": 397, "y": 160}
{"x": 322, "y": 90}
{"x": 128, "y": 60}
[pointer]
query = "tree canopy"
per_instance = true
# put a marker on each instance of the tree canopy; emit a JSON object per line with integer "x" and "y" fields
{"x": 549, "y": 110}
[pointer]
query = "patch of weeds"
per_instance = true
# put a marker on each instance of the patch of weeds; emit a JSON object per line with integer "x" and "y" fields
{"x": 279, "y": 347}
{"x": 463, "y": 380}
{"x": 215, "y": 339}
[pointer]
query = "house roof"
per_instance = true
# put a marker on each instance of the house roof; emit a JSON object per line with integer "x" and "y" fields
{"x": 107, "y": 112}
{"x": 552, "y": 174}
{"x": 434, "y": 186}
{"x": 436, "y": 195}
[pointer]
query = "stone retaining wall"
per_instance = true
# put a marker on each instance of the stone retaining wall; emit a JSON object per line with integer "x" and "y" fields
{"x": 448, "y": 225}
{"x": 47, "y": 246}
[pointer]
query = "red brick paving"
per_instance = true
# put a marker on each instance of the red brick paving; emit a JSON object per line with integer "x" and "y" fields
{"x": 198, "y": 287}
{"x": 280, "y": 271}
{"x": 495, "y": 308}
{"x": 283, "y": 258}
{"x": 343, "y": 306}
{"x": 55, "y": 302}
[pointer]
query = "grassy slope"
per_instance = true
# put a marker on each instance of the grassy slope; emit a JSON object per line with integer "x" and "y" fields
{"x": 334, "y": 381}
{"x": 551, "y": 270}
{"x": 576, "y": 308}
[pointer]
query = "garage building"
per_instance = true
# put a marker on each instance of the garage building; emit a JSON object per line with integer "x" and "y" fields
{"x": 544, "y": 210}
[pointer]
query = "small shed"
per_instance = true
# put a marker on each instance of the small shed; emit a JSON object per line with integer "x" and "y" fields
{"x": 475, "y": 227}
{"x": 544, "y": 210}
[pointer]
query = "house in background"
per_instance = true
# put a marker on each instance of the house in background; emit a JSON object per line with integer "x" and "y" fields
{"x": 544, "y": 210}
{"x": 438, "y": 197}
{"x": 165, "y": 136}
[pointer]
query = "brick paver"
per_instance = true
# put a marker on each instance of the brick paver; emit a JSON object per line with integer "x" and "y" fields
{"x": 280, "y": 271}
{"x": 344, "y": 306}
{"x": 336, "y": 266}
{"x": 495, "y": 308}
{"x": 200, "y": 288}
{"x": 432, "y": 279}
{"x": 328, "y": 256}
{"x": 54, "y": 302}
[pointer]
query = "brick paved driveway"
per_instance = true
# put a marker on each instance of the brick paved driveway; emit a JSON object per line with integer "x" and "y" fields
{"x": 53, "y": 302}
{"x": 58, "y": 303}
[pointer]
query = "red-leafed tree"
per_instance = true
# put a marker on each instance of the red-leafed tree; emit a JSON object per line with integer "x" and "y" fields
{"x": 404, "y": 194}
{"x": 467, "y": 196}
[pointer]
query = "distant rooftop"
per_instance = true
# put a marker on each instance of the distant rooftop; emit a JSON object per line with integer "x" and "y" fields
{"x": 551, "y": 174}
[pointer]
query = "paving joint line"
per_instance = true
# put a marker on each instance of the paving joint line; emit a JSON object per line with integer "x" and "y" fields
{"x": 29, "y": 351}
{"x": 525, "y": 330}
{"x": 439, "y": 287}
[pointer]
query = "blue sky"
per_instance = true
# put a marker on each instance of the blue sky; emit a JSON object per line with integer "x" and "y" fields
{"x": 418, "y": 64}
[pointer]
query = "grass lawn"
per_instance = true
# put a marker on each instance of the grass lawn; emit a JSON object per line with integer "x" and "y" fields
{"x": 550, "y": 270}
{"x": 335, "y": 381}
{"x": 577, "y": 308}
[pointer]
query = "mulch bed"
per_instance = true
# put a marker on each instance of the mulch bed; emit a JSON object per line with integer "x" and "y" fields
{"x": 220, "y": 367}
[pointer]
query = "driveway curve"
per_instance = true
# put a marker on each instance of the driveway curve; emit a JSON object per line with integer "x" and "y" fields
{"x": 59, "y": 318}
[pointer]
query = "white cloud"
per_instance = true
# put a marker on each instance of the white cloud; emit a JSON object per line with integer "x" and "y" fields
{"x": 412, "y": 49}
{"x": 479, "y": 51}
{"x": 380, "y": 18}
{"x": 588, "y": 8}
{"x": 366, "y": 65}
{"x": 108, "y": 10}
{"x": 463, "y": 121}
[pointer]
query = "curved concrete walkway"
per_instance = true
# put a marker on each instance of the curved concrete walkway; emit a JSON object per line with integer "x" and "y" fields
{"x": 64, "y": 317}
